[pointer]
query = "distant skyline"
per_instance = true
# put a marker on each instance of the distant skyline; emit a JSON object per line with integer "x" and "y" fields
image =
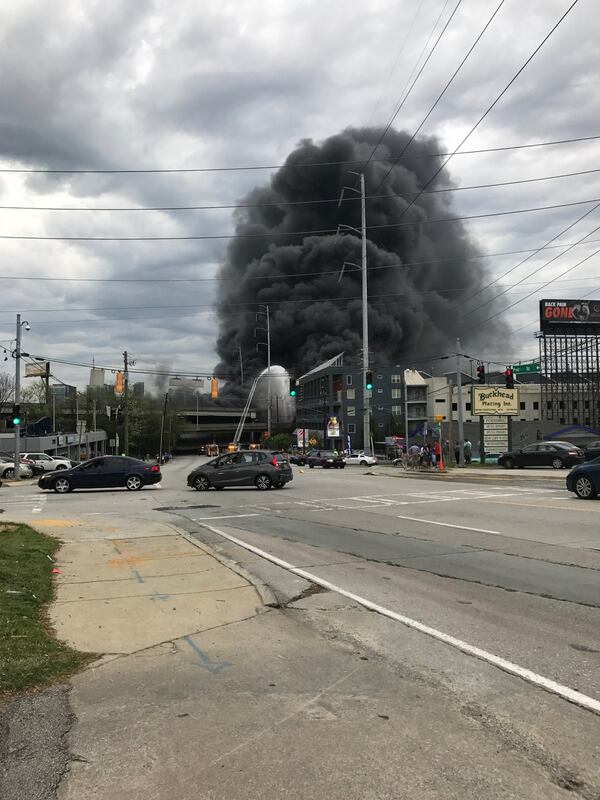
{"x": 146, "y": 85}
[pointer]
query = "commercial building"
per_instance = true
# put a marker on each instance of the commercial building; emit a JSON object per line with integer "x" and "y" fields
{"x": 63, "y": 392}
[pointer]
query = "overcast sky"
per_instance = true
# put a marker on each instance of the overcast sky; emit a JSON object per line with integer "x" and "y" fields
{"x": 159, "y": 85}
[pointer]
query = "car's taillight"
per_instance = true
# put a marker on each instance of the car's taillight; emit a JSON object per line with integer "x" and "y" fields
{"x": 573, "y": 453}
{"x": 274, "y": 461}
{"x": 155, "y": 468}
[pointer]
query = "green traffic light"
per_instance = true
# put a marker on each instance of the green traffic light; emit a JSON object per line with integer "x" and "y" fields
{"x": 369, "y": 386}
{"x": 16, "y": 421}
{"x": 292, "y": 393}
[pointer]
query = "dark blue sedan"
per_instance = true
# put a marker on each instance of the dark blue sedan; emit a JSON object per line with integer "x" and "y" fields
{"x": 104, "y": 472}
{"x": 584, "y": 479}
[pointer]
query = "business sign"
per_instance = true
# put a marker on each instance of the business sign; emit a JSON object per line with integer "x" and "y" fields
{"x": 494, "y": 400}
{"x": 560, "y": 316}
{"x": 302, "y": 436}
{"x": 495, "y": 434}
{"x": 333, "y": 427}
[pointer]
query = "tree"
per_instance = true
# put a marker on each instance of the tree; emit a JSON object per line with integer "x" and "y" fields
{"x": 7, "y": 389}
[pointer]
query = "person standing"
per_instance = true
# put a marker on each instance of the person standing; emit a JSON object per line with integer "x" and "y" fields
{"x": 468, "y": 447}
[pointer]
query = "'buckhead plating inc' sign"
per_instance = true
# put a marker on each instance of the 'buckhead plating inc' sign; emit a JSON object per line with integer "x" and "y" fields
{"x": 494, "y": 400}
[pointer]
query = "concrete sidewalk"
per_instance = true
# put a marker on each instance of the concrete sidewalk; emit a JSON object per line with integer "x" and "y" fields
{"x": 476, "y": 473}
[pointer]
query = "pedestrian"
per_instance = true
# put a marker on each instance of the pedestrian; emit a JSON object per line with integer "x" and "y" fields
{"x": 413, "y": 456}
{"x": 457, "y": 454}
{"x": 437, "y": 451}
{"x": 468, "y": 447}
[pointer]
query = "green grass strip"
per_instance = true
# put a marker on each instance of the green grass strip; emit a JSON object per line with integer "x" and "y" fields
{"x": 30, "y": 655}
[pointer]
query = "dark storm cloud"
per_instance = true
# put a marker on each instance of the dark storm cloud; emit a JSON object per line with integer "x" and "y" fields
{"x": 413, "y": 311}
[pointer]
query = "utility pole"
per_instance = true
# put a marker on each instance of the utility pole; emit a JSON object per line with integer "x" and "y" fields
{"x": 406, "y": 411}
{"x": 162, "y": 428}
{"x": 53, "y": 412}
{"x": 18, "y": 399}
{"x": 126, "y": 409}
{"x": 94, "y": 414}
{"x": 461, "y": 432}
{"x": 365, "y": 304}
{"x": 365, "y": 318}
{"x": 268, "y": 345}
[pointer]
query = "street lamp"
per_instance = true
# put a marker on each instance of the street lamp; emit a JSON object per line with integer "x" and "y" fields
{"x": 17, "y": 357}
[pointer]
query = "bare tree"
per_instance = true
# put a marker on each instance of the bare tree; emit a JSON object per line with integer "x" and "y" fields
{"x": 7, "y": 388}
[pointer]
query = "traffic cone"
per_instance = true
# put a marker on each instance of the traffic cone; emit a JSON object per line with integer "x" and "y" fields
{"x": 441, "y": 462}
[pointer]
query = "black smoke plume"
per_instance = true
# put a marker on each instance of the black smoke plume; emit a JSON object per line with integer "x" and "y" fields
{"x": 414, "y": 311}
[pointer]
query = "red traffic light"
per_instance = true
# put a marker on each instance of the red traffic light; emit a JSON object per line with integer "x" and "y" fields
{"x": 509, "y": 378}
{"x": 480, "y": 374}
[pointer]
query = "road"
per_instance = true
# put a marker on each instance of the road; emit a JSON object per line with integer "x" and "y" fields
{"x": 507, "y": 567}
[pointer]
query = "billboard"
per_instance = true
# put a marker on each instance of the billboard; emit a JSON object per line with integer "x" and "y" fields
{"x": 569, "y": 316}
{"x": 495, "y": 400}
{"x": 37, "y": 370}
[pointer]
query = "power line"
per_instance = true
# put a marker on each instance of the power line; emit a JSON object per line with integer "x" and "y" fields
{"x": 270, "y": 234}
{"x": 249, "y": 304}
{"x": 278, "y": 203}
{"x": 418, "y": 75}
{"x": 443, "y": 92}
{"x": 393, "y": 265}
{"x": 497, "y": 99}
{"x": 299, "y": 165}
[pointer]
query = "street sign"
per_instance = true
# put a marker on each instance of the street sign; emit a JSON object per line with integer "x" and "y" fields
{"x": 440, "y": 417}
{"x": 495, "y": 434}
{"x": 494, "y": 400}
{"x": 333, "y": 428}
{"x": 312, "y": 442}
{"x": 520, "y": 369}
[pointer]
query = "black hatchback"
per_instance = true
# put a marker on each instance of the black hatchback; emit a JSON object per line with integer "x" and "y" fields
{"x": 258, "y": 468}
{"x": 104, "y": 472}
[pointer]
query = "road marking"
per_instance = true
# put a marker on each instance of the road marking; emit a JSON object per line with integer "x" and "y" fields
{"x": 225, "y": 516}
{"x": 549, "y": 685}
{"x": 449, "y": 525}
{"x": 36, "y": 510}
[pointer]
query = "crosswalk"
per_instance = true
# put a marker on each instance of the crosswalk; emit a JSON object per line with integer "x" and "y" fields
{"x": 372, "y": 501}
{"x": 16, "y": 502}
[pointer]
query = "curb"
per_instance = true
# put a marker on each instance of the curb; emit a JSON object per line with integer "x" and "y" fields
{"x": 455, "y": 475}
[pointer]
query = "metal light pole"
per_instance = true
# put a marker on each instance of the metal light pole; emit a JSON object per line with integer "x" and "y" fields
{"x": 268, "y": 345}
{"x": 17, "y": 466}
{"x": 461, "y": 432}
{"x": 365, "y": 303}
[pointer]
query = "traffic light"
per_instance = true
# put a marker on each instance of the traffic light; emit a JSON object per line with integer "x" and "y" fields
{"x": 214, "y": 388}
{"x": 16, "y": 415}
{"x": 480, "y": 374}
{"x": 509, "y": 378}
{"x": 369, "y": 380}
{"x": 293, "y": 387}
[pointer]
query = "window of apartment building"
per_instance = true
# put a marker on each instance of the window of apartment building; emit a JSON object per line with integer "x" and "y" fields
{"x": 575, "y": 404}
{"x": 522, "y": 407}
{"x": 561, "y": 404}
{"x": 536, "y": 405}
{"x": 586, "y": 404}
{"x": 396, "y": 394}
{"x": 351, "y": 394}
{"x": 467, "y": 406}
{"x": 348, "y": 380}
{"x": 549, "y": 405}
{"x": 351, "y": 427}
{"x": 439, "y": 400}
{"x": 351, "y": 411}
{"x": 454, "y": 406}
{"x": 396, "y": 411}
{"x": 396, "y": 378}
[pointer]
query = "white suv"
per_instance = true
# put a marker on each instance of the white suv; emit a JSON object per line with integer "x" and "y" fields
{"x": 48, "y": 463}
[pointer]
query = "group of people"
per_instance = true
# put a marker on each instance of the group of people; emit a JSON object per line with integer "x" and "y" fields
{"x": 419, "y": 456}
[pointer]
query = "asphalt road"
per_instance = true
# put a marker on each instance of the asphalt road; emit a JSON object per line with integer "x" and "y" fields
{"x": 508, "y": 566}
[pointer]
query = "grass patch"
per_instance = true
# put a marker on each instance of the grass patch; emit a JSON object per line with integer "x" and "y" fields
{"x": 30, "y": 655}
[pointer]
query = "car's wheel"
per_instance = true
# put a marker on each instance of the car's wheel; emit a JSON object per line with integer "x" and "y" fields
{"x": 263, "y": 482}
{"x": 133, "y": 483}
{"x": 60, "y": 466}
{"x": 584, "y": 488}
{"x": 9, "y": 474}
{"x": 201, "y": 484}
{"x": 363, "y": 463}
{"x": 509, "y": 463}
{"x": 311, "y": 466}
{"x": 557, "y": 463}
{"x": 62, "y": 485}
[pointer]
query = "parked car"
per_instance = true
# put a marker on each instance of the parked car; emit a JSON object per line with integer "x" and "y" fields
{"x": 326, "y": 459}
{"x": 261, "y": 468}
{"x": 360, "y": 458}
{"x": 592, "y": 451}
{"x": 543, "y": 454}
{"x": 103, "y": 472}
{"x": 49, "y": 463}
{"x": 584, "y": 479}
{"x": 36, "y": 469}
{"x": 7, "y": 469}
{"x": 300, "y": 459}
